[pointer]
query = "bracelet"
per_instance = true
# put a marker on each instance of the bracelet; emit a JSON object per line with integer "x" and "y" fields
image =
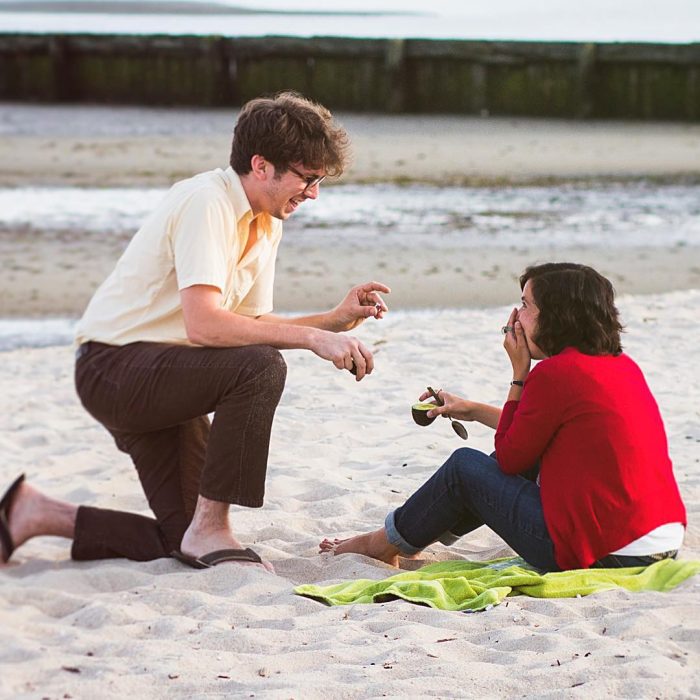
{"x": 517, "y": 382}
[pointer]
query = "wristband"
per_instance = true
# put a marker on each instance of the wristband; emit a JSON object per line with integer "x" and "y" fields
{"x": 517, "y": 382}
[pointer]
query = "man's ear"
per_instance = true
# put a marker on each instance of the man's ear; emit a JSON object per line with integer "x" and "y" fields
{"x": 260, "y": 168}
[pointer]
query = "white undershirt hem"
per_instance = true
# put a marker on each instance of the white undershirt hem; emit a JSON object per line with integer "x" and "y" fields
{"x": 662, "y": 539}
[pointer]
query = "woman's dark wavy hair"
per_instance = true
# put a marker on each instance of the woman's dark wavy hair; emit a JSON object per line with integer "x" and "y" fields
{"x": 576, "y": 309}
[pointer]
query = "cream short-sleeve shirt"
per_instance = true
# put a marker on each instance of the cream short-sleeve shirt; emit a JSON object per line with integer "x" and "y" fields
{"x": 195, "y": 236}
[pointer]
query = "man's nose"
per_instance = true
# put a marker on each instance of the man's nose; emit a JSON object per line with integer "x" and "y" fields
{"x": 313, "y": 191}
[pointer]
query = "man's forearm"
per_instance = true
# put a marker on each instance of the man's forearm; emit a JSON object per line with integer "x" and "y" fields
{"x": 227, "y": 329}
{"x": 323, "y": 321}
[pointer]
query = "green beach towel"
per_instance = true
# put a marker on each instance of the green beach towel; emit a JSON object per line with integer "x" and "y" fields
{"x": 471, "y": 586}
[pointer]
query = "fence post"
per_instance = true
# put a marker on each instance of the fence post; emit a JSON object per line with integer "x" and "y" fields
{"x": 395, "y": 75}
{"x": 585, "y": 81}
{"x": 58, "y": 90}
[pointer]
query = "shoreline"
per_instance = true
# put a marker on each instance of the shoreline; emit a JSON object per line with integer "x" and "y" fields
{"x": 53, "y": 273}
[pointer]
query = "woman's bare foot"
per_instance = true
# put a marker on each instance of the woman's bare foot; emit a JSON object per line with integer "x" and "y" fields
{"x": 210, "y": 531}
{"x": 372, "y": 544}
{"x": 32, "y": 514}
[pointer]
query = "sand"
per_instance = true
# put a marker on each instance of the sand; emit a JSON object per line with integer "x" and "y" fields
{"x": 343, "y": 454}
{"x": 138, "y": 147}
{"x": 99, "y": 146}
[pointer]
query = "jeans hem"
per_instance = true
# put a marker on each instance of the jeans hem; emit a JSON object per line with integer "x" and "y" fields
{"x": 394, "y": 536}
{"x": 449, "y": 538}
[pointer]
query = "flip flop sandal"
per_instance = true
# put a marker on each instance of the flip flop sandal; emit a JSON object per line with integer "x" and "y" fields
{"x": 207, "y": 561}
{"x": 8, "y": 545}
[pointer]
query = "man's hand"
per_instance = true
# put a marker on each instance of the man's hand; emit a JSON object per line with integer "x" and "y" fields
{"x": 359, "y": 303}
{"x": 209, "y": 325}
{"x": 344, "y": 351}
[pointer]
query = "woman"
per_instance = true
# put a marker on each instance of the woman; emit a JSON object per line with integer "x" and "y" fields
{"x": 583, "y": 418}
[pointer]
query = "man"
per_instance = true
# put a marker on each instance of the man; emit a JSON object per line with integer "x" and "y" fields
{"x": 182, "y": 328}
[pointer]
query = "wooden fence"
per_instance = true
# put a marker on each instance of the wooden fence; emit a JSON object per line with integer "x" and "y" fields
{"x": 638, "y": 81}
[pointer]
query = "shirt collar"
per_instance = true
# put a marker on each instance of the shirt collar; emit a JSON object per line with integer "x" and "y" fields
{"x": 241, "y": 204}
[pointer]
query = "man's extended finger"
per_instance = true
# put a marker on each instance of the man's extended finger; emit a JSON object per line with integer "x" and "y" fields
{"x": 375, "y": 287}
{"x": 376, "y": 299}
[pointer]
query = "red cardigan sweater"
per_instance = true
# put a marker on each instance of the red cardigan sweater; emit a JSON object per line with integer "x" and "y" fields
{"x": 605, "y": 475}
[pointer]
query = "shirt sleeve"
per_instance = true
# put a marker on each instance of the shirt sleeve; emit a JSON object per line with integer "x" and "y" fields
{"x": 527, "y": 426}
{"x": 202, "y": 242}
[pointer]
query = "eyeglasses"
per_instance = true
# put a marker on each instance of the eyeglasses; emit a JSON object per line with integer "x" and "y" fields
{"x": 310, "y": 180}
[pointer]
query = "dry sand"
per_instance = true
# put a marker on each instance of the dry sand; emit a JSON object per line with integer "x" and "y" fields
{"x": 343, "y": 454}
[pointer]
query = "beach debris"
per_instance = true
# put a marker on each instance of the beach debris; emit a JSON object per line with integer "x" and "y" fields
{"x": 263, "y": 672}
{"x": 70, "y": 669}
{"x": 173, "y": 676}
{"x": 446, "y": 639}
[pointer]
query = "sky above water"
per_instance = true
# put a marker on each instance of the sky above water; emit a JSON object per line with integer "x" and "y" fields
{"x": 675, "y": 21}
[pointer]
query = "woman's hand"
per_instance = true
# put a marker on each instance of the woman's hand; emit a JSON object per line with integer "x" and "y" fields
{"x": 454, "y": 406}
{"x": 516, "y": 347}
{"x": 464, "y": 409}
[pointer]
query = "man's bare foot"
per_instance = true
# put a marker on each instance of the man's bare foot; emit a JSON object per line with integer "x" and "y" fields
{"x": 32, "y": 514}
{"x": 372, "y": 544}
{"x": 210, "y": 531}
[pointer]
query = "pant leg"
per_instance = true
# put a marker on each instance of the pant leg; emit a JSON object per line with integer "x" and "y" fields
{"x": 152, "y": 398}
{"x": 169, "y": 463}
{"x": 468, "y": 491}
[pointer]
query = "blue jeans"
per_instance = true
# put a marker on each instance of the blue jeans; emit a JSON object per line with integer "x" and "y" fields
{"x": 468, "y": 491}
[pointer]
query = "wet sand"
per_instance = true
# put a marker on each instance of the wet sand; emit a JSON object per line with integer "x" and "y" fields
{"x": 130, "y": 146}
{"x": 55, "y": 272}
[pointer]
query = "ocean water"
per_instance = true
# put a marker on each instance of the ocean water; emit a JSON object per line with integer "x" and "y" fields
{"x": 614, "y": 215}
{"x": 610, "y": 214}
{"x": 672, "y": 21}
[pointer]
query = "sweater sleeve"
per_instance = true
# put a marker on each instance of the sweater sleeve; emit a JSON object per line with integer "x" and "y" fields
{"x": 527, "y": 426}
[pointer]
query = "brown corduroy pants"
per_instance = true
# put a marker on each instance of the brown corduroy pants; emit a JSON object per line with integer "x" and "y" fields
{"x": 155, "y": 399}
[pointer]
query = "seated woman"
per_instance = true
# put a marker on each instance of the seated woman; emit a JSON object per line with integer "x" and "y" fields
{"x": 605, "y": 495}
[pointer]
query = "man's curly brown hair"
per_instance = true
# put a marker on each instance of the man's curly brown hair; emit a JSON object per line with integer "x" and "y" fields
{"x": 576, "y": 309}
{"x": 286, "y": 129}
